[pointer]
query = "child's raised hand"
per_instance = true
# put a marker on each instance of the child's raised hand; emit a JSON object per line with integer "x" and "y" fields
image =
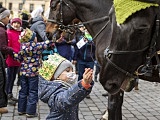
{"x": 87, "y": 75}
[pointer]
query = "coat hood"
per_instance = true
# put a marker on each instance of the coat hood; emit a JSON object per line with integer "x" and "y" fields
{"x": 36, "y": 19}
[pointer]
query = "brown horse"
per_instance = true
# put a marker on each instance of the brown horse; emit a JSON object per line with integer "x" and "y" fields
{"x": 121, "y": 48}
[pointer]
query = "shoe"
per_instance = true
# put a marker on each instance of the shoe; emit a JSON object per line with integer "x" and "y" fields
{"x": 3, "y": 110}
{"x": 10, "y": 96}
{"x": 31, "y": 115}
{"x": 105, "y": 94}
{"x": 88, "y": 97}
{"x": 21, "y": 113}
{"x": 11, "y": 102}
{"x": 14, "y": 99}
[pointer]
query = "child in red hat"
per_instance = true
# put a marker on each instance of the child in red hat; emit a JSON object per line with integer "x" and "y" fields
{"x": 13, "y": 32}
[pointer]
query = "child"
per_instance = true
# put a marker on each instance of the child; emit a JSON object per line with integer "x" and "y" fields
{"x": 58, "y": 89}
{"x": 30, "y": 58}
{"x": 13, "y": 32}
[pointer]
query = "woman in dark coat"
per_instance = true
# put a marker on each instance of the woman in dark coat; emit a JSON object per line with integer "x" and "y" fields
{"x": 4, "y": 50}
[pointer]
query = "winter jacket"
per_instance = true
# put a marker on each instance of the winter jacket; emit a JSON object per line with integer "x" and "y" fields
{"x": 13, "y": 41}
{"x": 86, "y": 53}
{"x": 64, "y": 49}
{"x": 39, "y": 27}
{"x": 62, "y": 98}
{"x": 4, "y": 41}
{"x": 4, "y": 50}
{"x": 30, "y": 56}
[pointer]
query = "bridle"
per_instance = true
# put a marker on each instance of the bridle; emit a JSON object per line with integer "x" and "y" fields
{"x": 75, "y": 26}
{"x": 145, "y": 69}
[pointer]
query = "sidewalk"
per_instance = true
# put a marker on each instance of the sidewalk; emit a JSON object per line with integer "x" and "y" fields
{"x": 138, "y": 105}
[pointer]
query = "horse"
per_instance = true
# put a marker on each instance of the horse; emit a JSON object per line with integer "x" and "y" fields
{"x": 124, "y": 51}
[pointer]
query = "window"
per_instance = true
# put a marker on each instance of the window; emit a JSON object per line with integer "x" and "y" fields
{"x": 1, "y": 3}
{"x": 10, "y": 6}
{"x": 31, "y": 7}
{"x": 20, "y": 6}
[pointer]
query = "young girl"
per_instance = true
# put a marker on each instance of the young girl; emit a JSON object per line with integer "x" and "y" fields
{"x": 30, "y": 58}
{"x": 13, "y": 32}
{"x": 58, "y": 88}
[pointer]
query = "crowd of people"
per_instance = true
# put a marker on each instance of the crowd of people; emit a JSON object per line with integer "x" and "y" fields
{"x": 23, "y": 40}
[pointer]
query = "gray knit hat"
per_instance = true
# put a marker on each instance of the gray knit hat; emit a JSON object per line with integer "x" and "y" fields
{"x": 4, "y": 13}
{"x": 64, "y": 65}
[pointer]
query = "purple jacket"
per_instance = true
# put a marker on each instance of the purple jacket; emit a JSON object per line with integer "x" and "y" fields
{"x": 4, "y": 41}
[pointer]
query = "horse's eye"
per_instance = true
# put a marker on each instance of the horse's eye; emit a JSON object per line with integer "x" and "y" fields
{"x": 53, "y": 8}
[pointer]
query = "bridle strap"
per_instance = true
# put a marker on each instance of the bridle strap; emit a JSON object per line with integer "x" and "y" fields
{"x": 61, "y": 13}
{"x": 120, "y": 69}
{"x": 127, "y": 52}
{"x": 108, "y": 53}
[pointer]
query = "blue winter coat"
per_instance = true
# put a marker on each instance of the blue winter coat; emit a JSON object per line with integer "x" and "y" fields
{"x": 62, "y": 98}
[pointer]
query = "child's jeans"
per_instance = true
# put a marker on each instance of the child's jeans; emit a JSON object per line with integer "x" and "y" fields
{"x": 11, "y": 76}
{"x": 28, "y": 95}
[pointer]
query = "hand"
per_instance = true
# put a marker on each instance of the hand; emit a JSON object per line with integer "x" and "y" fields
{"x": 60, "y": 39}
{"x": 87, "y": 75}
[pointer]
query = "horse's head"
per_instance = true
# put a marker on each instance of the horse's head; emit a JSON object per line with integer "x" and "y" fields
{"x": 127, "y": 55}
{"x": 57, "y": 10}
{"x": 57, "y": 18}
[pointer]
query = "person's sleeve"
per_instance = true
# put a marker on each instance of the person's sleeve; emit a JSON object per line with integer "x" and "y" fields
{"x": 18, "y": 56}
{"x": 44, "y": 45}
{"x": 75, "y": 55}
{"x": 65, "y": 99}
{"x": 4, "y": 44}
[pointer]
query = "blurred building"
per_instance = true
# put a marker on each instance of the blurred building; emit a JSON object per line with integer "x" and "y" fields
{"x": 17, "y": 5}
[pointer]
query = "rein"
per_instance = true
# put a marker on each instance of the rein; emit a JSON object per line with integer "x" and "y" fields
{"x": 108, "y": 53}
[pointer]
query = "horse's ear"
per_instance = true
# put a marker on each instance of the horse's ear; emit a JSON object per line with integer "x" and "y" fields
{"x": 53, "y": 4}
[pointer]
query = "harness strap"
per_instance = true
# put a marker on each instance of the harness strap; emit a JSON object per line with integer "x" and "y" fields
{"x": 157, "y": 34}
{"x": 120, "y": 69}
{"x": 152, "y": 49}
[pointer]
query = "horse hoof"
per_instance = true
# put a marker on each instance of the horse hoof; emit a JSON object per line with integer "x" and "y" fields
{"x": 105, "y": 115}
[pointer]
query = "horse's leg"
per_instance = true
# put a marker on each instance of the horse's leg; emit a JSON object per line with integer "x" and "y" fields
{"x": 115, "y": 106}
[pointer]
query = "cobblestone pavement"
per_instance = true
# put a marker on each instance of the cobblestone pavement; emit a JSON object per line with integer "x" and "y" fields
{"x": 143, "y": 104}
